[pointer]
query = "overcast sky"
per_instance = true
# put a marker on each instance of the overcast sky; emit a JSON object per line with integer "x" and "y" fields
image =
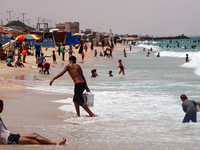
{"x": 152, "y": 17}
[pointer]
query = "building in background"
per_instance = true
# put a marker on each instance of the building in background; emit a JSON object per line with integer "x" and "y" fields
{"x": 68, "y": 27}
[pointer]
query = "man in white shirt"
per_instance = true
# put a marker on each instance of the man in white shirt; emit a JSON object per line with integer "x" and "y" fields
{"x": 12, "y": 46}
{"x": 6, "y": 137}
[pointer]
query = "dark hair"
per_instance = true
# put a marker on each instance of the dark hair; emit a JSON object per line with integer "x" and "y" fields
{"x": 42, "y": 54}
{"x": 12, "y": 38}
{"x": 10, "y": 57}
{"x": 110, "y": 71}
{"x": 53, "y": 51}
{"x": 1, "y": 102}
{"x": 72, "y": 58}
{"x": 37, "y": 40}
{"x": 39, "y": 65}
{"x": 183, "y": 97}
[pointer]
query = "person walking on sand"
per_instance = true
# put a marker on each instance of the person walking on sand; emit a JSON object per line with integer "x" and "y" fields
{"x": 38, "y": 49}
{"x": 12, "y": 46}
{"x": 77, "y": 76}
{"x": 24, "y": 50}
{"x": 63, "y": 52}
{"x": 6, "y": 137}
{"x": 121, "y": 67}
{"x": 70, "y": 51}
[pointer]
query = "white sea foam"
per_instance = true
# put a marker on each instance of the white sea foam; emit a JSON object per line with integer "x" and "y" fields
{"x": 194, "y": 58}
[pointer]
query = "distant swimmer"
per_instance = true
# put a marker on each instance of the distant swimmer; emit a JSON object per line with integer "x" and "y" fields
{"x": 124, "y": 53}
{"x": 189, "y": 107}
{"x": 187, "y": 58}
{"x": 77, "y": 76}
{"x": 110, "y": 73}
{"x": 121, "y": 67}
{"x": 6, "y": 137}
{"x": 94, "y": 73}
{"x": 148, "y": 54}
{"x": 158, "y": 55}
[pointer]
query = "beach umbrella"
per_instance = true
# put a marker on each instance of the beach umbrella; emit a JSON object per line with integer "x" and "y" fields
{"x": 76, "y": 34}
{"x": 99, "y": 33}
{"x": 28, "y": 37}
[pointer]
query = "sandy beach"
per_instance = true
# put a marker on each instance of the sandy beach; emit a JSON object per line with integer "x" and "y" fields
{"x": 28, "y": 111}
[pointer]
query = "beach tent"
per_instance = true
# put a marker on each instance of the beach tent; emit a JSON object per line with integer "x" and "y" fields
{"x": 72, "y": 39}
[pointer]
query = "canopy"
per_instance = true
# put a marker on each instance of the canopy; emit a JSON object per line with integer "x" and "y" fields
{"x": 28, "y": 37}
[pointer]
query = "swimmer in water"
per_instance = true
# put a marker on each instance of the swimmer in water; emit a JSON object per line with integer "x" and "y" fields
{"x": 121, "y": 67}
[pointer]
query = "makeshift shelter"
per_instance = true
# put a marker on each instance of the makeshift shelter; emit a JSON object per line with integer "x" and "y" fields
{"x": 70, "y": 40}
{"x": 18, "y": 26}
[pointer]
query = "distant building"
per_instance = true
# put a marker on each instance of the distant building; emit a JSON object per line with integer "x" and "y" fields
{"x": 68, "y": 27}
{"x": 87, "y": 31}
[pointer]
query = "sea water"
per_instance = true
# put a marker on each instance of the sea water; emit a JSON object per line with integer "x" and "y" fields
{"x": 138, "y": 110}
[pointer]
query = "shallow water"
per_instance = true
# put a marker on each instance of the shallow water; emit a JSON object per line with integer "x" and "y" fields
{"x": 139, "y": 110}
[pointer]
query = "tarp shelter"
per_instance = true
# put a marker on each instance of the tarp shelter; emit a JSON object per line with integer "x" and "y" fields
{"x": 19, "y": 26}
{"x": 70, "y": 40}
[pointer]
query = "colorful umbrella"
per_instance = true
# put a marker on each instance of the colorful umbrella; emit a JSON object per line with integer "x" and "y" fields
{"x": 76, "y": 34}
{"x": 28, "y": 37}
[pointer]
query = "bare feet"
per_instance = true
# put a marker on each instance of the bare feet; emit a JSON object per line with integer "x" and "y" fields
{"x": 62, "y": 142}
{"x": 92, "y": 115}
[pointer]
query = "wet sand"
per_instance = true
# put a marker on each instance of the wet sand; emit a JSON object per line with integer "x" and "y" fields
{"x": 31, "y": 111}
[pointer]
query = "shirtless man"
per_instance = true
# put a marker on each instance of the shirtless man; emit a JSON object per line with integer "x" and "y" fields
{"x": 77, "y": 76}
{"x": 6, "y": 137}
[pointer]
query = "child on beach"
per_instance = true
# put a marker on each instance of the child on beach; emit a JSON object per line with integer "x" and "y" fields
{"x": 70, "y": 51}
{"x": 54, "y": 57}
{"x": 95, "y": 53}
{"x": 85, "y": 48}
{"x": 121, "y": 67}
{"x": 189, "y": 107}
{"x": 82, "y": 55}
{"x": 63, "y": 52}
{"x": 187, "y": 58}
{"x": 110, "y": 73}
{"x": 45, "y": 67}
{"x": 18, "y": 63}
{"x": 100, "y": 54}
{"x": 41, "y": 59}
{"x": 158, "y": 55}
{"x": 9, "y": 60}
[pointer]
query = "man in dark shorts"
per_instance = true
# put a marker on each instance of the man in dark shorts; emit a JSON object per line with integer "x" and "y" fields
{"x": 6, "y": 137}
{"x": 77, "y": 76}
{"x": 189, "y": 107}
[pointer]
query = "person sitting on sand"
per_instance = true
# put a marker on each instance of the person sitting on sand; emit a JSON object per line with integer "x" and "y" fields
{"x": 9, "y": 60}
{"x": 121, "y": 67}
{"x": 77, "y": 76}
{"x": 6, "y": 137}
{"x": 45, "y": 66}
{"x": 18, "y": 63}
{"x": 189, "y": 107}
